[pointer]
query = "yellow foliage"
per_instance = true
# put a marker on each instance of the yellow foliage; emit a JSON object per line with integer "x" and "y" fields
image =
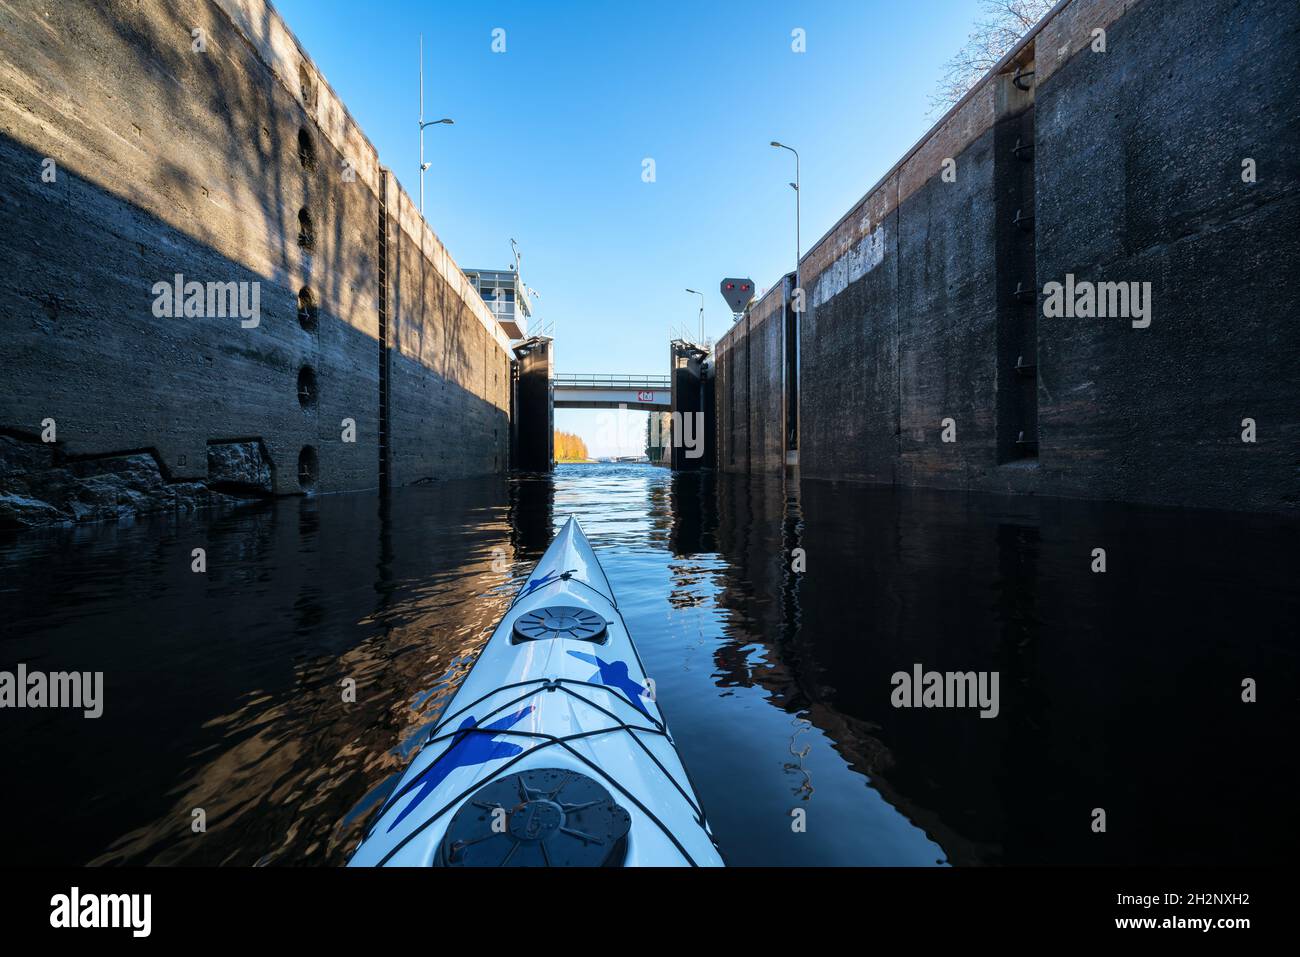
{"x": 569, "y": 448}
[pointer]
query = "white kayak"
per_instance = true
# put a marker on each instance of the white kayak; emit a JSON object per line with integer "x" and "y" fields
{"x": 553, "y": 751}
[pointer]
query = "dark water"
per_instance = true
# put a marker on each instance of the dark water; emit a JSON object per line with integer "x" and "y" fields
{"x": 1119, "y": 691}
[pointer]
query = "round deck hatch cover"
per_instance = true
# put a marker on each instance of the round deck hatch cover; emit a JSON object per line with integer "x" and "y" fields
{"x": 560, "y": 621}
{"x": 545, "y": 817}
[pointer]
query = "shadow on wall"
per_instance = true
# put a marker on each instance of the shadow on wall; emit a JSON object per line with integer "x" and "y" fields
{"x": 202, "y": 164}
{"x": 128, "y": 387}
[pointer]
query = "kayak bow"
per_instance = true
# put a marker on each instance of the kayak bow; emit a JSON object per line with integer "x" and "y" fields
{"x": 553, "y": 751}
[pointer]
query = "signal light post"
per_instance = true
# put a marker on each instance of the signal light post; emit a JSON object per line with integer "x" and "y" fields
{"x": 738, "y": 293}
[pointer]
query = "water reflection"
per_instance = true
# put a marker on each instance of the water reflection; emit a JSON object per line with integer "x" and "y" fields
{"x": 228, "y": 691}
{"x": 1119, "y": 691}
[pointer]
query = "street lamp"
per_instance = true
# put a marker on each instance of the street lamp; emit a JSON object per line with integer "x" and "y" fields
{"x": 423, "y": 124}
{"x": 798, "y": 247}
{"x": 701, "y": 295}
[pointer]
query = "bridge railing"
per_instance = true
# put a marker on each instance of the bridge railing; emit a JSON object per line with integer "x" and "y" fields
{"x": 583, "y": 381}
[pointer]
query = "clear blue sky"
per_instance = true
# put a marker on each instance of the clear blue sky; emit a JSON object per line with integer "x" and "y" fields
{"x": 550, "y": 137}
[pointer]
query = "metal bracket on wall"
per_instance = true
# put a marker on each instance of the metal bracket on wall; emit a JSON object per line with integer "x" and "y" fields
{"x": 1019, "y": 222}
{"x": 1020, "y": 149}
{"x": 1019, "y": 75}
{"x": 1025, "y": 369}
{"x": 1024, "y": 295}
{"x": 1028, "y": 446}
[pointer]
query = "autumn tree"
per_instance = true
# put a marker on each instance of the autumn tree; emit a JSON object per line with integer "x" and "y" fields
{"x": 570, "y": 448}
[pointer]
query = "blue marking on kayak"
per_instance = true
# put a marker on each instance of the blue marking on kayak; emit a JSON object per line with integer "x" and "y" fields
{"x": 545, "y": 580}
{"x": 466, "y": 751}
{"x": 614, "y": 674}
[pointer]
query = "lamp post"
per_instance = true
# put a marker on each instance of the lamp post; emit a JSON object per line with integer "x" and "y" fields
{"x": 423, "y": 124}
{"x": 798, "y": 248}
{"x": 792, "y": 334}
{"x": 701, "y": 295}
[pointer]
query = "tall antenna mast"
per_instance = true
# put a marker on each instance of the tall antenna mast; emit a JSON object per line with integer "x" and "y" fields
{"x": 423, "y": 164}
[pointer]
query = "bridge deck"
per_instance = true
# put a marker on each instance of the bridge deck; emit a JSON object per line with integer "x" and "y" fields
{"x": 585, "y": 381}
{"x": 594, "y": 391}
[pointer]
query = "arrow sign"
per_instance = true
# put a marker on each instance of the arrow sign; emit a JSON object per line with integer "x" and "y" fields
{"x": 738, "y": 293}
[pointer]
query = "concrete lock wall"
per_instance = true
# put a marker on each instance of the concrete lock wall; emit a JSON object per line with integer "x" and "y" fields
{"x": 748, "y": 390}
{"x": 235, "y": 162}
{"x": 925, "y": 301}
{"x": 450, "y": 363}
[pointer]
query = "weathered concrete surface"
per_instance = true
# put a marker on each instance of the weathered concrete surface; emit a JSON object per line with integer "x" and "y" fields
{"x": 849, "y": 364}
{"x": 947, "y": 322}
{"x": 1139, "y": 177}
{"x": 708, "y": 399}
{"x": 450, "y": 370}
{"x": 748, "y": 359}
{"x": 731, "y": 393}
{"x": 172, "y": 160}
{"x": 242, "y": 465}
{"x": 1130, "y": 170}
